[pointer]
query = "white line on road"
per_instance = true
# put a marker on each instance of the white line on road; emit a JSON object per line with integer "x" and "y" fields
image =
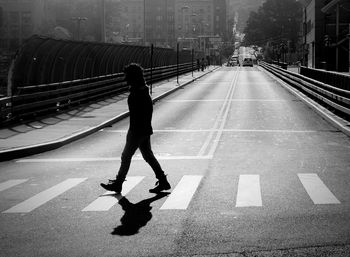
{"x": 317, "y": 190}
{"x": 217, "y": 130}
{"x": 104, "y": 159}
{"x": 230, "y": 100}
{"x": 11, "y": 183}
{"x": 222, "y": 116}
{"x": 248, "y": 193}
{"x": 109, "y": 199}
{"x": 181, "y": 196}
{"x": 45, "y": 196}
{"x": 224, "y": 119}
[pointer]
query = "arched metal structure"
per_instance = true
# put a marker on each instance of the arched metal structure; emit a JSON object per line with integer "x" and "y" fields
{"x": 43, "y": 60}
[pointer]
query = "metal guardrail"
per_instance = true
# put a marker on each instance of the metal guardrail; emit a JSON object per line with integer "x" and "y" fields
{"x": 336, "y": 98}
{"x": 49, "y": 98}
{"x": 328, "y": 77}
{"x": 283, "y": 65}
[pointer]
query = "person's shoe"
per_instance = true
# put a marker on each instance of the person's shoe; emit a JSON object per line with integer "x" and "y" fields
{"x": 113, "y": 185}
{"x": 161, "y": 184}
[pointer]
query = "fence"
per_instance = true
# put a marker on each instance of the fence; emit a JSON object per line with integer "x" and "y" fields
{"x": 49, "y": 98}
{"x": 50, "y": 75}
{"x": 331, "y": 78}
{"x": 336, "y": 98}
{"x": 43, "y": 60}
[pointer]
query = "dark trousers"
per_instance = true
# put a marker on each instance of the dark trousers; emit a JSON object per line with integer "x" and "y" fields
{"x": 144, "y": 144}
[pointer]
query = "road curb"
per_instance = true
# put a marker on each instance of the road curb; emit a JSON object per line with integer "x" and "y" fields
{"x": 334, "y": 120}
{"x": 21, "y": 152}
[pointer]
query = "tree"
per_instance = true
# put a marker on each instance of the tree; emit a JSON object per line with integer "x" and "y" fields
{"x": 275, "y": 22}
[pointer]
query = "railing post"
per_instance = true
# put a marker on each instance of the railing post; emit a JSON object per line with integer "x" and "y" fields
{"x": 151, "y": 68}
{"x": 177, "y": 63}
{"x": 192, "y": 60}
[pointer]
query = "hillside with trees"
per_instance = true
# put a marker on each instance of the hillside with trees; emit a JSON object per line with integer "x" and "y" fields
{"x": 275, "y": 25}
{"x": 242, "y": 9}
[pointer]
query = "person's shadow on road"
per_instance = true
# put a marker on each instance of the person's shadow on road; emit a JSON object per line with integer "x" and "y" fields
{"x": 136, "y": 215}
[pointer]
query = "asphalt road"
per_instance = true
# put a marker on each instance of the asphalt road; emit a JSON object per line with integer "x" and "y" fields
{"x": 254, "y": 172}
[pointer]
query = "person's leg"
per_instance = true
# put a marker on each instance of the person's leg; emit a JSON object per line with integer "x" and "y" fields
{"x": 132, "y": 143}
{"x": 130, "y": 147}
{"x": 148, "y": 156}
{"x": 147, "y": 153}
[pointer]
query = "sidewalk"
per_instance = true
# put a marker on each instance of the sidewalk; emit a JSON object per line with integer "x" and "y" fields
{"x": 53, "y": 132}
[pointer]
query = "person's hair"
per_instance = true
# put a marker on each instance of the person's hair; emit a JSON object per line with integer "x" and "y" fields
{"x": 134, "y": 72}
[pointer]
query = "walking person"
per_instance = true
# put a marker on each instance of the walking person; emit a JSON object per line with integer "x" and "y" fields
{"x": 202, "y": 64}
{"x": 139, "y": 133}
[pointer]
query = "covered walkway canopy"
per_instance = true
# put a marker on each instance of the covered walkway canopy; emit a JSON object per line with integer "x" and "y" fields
{"x": 43, "y": 60}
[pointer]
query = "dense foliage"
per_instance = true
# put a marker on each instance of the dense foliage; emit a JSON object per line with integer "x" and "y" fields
{"x": 275, "y": 22}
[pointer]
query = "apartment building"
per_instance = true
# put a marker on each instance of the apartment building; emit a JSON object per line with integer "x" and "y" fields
{"x": 19, "y": 19}
{"x": 132, "y": 21}
{"x": 159, "y": 23}
{"x": 326, "y": 29}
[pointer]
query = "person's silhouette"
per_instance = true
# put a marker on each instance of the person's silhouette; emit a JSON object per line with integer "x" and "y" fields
{"x": 139, "y": 133}
{"x": 136, "y": 215}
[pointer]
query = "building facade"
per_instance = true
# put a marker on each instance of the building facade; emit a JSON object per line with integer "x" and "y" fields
{"x": 131, "y": 21}
{"x": 159, "y": 23}
{"x": 337, "y": 34}
{"x": 19, "y": 19}
{"x": 326, "y": 26}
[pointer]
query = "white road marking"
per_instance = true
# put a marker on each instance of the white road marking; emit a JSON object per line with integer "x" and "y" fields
{"x": 45, "y": 196}
{"x": 224, "y": 119}
{"x": 109, "y": 199}
{"x": 248, "y": 193}
{"x": 317, "y": 190}
{"x": 217, "y": 130}
{"x": 222, "y": 116}
{"x": 11, "y": 183}
{"x": 229, "y": 100}
{"x": 182, "y": 194}
{"x": 104, "y": 159}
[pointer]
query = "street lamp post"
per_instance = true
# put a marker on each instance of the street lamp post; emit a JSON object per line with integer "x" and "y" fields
{"x": 183, "y": 8}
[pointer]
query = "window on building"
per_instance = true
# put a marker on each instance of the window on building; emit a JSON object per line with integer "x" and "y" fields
{"x": 1, "y": 17}
{"x": 26, "y": 18}
{"x": 14, "y": 43}
{"x": 14, "y": 18}
{"x": 308, "y": 29}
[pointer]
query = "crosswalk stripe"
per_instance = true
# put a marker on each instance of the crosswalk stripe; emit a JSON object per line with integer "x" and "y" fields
{"x": 11, "y": 183}
{"x": 182, "y": 194}
{"x": 45, "y": 196}
{"x": 249, "y": 193}
{"x": 108, "y": 199}
{"x": 317, "y": 190}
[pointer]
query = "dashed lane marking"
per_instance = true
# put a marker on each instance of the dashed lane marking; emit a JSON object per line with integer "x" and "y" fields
{"x": 317, "y": 190}
{"x": 109, "y": 199}
{"x": 182, "y": 194}
{"x": 249, "y": 193}
{"x": 11, "y": 183}
{"x": 45, "y": 196}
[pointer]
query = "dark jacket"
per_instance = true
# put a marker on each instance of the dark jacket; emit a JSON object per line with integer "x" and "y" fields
{"x": 141, "y": 109}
